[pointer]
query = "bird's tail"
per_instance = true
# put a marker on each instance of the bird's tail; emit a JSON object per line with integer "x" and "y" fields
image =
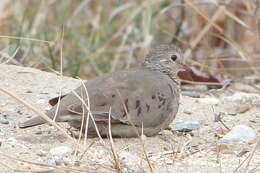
{"x": 35, "y": 121}
{"x": 32, "y": 122}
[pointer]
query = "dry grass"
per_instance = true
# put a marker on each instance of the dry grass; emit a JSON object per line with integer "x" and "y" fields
{"x": 87, "y": 38}
{"x": 217, "y": 36}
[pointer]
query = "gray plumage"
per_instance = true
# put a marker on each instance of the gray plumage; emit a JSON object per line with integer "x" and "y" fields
{"x": 146, "y": 97}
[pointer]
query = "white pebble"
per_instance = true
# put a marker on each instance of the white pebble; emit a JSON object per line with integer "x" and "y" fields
{"x": 40, "y": 101}
{"x": 59, "y": 151}
{"x": 188, "y": 125}
{"x": 128, "y": 158}
{"x": 242, "y": 97}
{"x": 239, "y": 134}
{"x": 209, "y": 100}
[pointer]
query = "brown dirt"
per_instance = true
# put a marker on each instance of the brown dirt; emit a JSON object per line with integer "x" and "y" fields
{"x": 196, "y": 153}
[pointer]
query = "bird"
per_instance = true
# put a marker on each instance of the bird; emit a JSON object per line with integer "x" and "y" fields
{"x": 127, "y": 103}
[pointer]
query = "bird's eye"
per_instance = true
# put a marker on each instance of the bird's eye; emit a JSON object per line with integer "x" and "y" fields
{"x": 174, "y": 57}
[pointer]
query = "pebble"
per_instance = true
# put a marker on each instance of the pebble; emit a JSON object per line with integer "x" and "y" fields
{"x": 210, "y": 101}
{"x": 56, "y": 160}
{"x": 60, "y": 151}
{"x": 128, "y": 158}
{"x": 252, "y": 79}
{"x": 239, "y": 134}
{"x": 11, "y": 140}
{"x": 242, "y": 97}
{"x": 186, "y": 126}
{"x": 40, "y": 101}
{"x": 187, "y": 112}
{"x": 143, "y": 137}
{"x": 242, "y": 108}
{"x": 3, "y": 121}
{"x": 190, "y": 94}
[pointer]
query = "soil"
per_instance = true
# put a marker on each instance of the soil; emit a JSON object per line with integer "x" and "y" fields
{"x": 29, "y": 149}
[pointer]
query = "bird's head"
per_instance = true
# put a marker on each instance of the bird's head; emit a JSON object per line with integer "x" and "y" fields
{"x": 165, "y": 58}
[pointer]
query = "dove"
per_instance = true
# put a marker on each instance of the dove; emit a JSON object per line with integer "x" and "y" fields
{"x": 142, "y": 100}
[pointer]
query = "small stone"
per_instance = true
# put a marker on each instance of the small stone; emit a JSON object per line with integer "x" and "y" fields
{"x": 59, "y": 151}
{"x": 11, "y": 140}
{"x": 243, "y": 152}
{"x": 210, "y": 101}
{"x": 186, "y": 126}
{"x": 3, "y": 121}
{"x": 239, "y": 134}
{"x": 40, "y": 101}
{"x": 58, "y": 161}
{"x": 143, "y": 137}
{"x": 217, "y": 117}
{"x": 187, "y": 112}
{"x": 108, "y": 164}
{"x": 42, "y": 153}
{"x": 243, "y": 108}
{"x": 220, "y": 132}
{"x": 100, "y": 153}
{"x": 241, "y": 97}
{"x": 38, "y": 132}
{"x": 129, "y": 158}
{"x": 252, "y": 79}
{"x": 190, "y": 94}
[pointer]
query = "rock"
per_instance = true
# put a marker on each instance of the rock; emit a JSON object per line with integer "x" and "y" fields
{"x": 252, "y": 79}
{"x": 186, "y": 126}
{"x": 187, "y": 112}
{"x": 60, "y": 151}
{"x": 40, "y": 101}
{"x": 143, "y": 137}
{"x": 57, "y": 160}
{"x": 3, "y": 121}
{"x": 190, "y": 94}
{"x": 239, "y": 134}
{"x": 209, "y": 100}
{"x": 128, "y": 159}
{"x": 242, "y": 108}
{"x": 241, "y": 97}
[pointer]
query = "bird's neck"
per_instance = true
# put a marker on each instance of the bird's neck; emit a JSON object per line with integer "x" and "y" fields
{"x": 159, "y": 68}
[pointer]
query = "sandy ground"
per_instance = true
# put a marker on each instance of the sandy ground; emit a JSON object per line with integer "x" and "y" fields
{"x": 167, "y": 152}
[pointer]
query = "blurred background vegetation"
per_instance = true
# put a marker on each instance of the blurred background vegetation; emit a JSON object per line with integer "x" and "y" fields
{"x": 219, "y": 37}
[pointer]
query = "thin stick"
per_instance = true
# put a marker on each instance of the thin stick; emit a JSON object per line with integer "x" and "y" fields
{"x": 41, "y": 114}
{"x": 201, "y": 83}
{"x": 136, "y": 130}
{"x": 146, "y": 156}
{"x": 115, "y": 157}
{"x": 81, "y": 129}
{"x": 42, "y": 164}
{"x": 87, "y": 121}
{"x": 241, "y": 164}
{"x": 14, "y": 169}
{"x": 127, "y": 113}
{"x": 61, "y": 51}
{"x": 11, "y": 58}
{"x": 58, "y": 106}
{"x": 206, "y": 28}
{"x": 252, "y": 153}
{"x": 25, "y": 38}
{"x": 92, "y": 118}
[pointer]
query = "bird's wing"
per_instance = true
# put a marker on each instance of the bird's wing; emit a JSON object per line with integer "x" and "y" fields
{"x": 55, "y": 100}
{"x": 130, "y": 98}
{"x": 101, "y": 116}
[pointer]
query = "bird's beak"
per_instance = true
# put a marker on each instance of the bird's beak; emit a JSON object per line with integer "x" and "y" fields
{"x": 184, "y": 68}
